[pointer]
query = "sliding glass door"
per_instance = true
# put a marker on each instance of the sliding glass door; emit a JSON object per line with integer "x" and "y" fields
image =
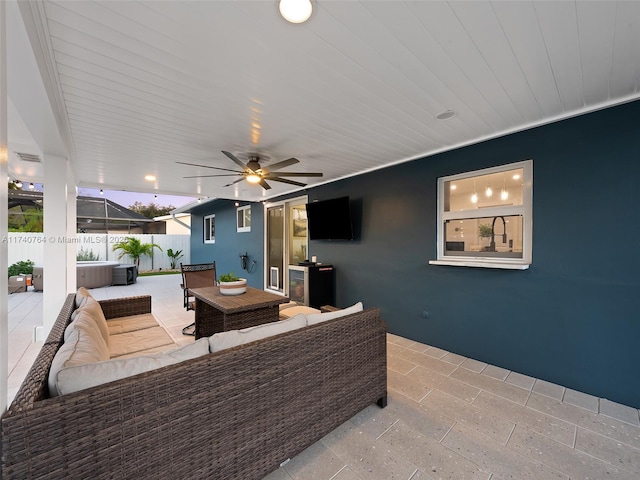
{"x": 286, "y": 241}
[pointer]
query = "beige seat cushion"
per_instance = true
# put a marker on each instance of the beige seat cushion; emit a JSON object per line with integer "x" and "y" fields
{"x": 131, "y": 323}
{"x": 297, "y": 309}
{"x": 76, "y": 378}
{"x": 233, "y": 338}
{"x": 138, "y": 341}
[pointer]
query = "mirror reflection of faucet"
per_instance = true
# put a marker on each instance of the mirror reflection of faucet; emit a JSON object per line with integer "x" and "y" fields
{"x": 492, "y": 245}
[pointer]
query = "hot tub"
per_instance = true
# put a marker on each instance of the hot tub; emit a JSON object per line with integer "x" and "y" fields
{"x": 88, "y": 274}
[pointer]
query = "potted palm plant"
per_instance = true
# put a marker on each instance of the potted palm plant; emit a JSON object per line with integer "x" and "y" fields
{"x": 231, "y": 284}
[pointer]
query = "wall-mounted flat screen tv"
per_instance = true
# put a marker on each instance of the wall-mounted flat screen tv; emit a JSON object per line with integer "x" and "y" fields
{"x": 330, "y": 219}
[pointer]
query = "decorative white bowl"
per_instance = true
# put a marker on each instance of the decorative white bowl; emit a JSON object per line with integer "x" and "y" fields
{"x": 233, "y": 288}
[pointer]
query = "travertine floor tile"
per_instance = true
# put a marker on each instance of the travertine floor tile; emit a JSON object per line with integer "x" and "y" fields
{"x": 538, "y": 422}
{"x": 315, "y": 463}
{"x": 366, "y": 457}
{"x": 621, "y": 412}
{"x": 496, "y": 372}
{"x": 581, "y": 417}
{"x": 406, "y": 386}
{"x": 436, "y": 352}
{"x": 579, "y": 399}
{"x": 484, "y": 382}
{"x": 454, "y": 358}
{"x": 428, "y": 422}
{"x": 496, "y": 458}
{"x": 567, "y": 460}
{"x": 421, "y": 359}
{"x": 520, "y": 380}
{"x": 431, "y": 379}
{"x": 473, "y": 365}
{"x": 432, "y": 458}
{"x": 608, "y": 450}
{"x": 400, "y": 365}
{"x": 549, "y": 389}
{"x": 492, "y": 426}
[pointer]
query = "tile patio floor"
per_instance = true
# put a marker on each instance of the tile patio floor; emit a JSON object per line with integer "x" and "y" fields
{"x": 448, "y": 417}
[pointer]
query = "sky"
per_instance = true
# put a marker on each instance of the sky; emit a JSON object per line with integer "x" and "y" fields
{"x": 126, "y": 199}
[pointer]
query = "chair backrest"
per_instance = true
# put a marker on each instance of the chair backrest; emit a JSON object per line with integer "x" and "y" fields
{"x": 199, "y": 275}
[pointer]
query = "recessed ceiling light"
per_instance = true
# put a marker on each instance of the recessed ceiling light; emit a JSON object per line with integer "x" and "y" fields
{"x": 516, "y": 177}
{"x": 150, "y": 178}
{"x": 446, "y": 115}
{"x": 296, "y": 11}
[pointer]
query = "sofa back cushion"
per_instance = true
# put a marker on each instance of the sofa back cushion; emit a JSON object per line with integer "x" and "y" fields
{"x": 83, "y": 344}
{"x": 74, "y": 378}
{"x": 223, "y": 340}
{"x": 313, "y": 318}
{"x": 92, "y": 308}
{"x": 81, "y": 296}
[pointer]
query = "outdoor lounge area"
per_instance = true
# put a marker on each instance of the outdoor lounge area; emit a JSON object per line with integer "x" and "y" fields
{"x": 447, "y": 416}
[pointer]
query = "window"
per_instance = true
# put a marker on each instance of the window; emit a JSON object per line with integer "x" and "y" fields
{"x": 485, "y": 219}
{"x": 244, "y": 218}
{"x": 210, "y": 229}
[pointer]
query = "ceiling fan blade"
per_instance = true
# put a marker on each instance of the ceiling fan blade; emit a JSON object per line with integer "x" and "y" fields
{"x": 235, "y": 159}
{"x": 265, "y": 185}
{"x": 282, "y": 164}
{"x": 208, "y": 166}
{"x": 219, "y": 175}
{"x": 290, "y": 182}
{"x": 233, "y": 183}
{"x": 296, "y": 174}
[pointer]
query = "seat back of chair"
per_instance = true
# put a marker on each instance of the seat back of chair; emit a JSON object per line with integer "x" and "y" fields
{"x": 199, "y": 275}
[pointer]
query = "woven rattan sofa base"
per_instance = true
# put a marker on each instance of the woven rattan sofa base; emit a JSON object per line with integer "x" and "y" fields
{"x": 235, "y": 414}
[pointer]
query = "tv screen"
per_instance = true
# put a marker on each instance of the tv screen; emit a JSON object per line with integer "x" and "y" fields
{"x": 330, "y": 219}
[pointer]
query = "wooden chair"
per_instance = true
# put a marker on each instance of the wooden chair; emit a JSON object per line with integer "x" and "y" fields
{"x": 194, "y": 276}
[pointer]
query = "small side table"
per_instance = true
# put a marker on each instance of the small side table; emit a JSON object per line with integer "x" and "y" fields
{"x": 124, "y": 275}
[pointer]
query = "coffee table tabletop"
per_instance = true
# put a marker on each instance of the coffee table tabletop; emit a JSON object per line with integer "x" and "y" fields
{"x": 250, "y": 300}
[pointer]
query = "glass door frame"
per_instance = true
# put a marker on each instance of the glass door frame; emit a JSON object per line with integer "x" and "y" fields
{"x": 304, "y": 199}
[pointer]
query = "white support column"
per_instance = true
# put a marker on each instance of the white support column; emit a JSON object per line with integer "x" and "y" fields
{"x": 4, "y": 215}
{"x": 55, "y": 271}
{"x": 72, "y": 230}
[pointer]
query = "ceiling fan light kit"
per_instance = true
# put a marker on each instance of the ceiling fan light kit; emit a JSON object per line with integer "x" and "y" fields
{"x": 253, "y": 173}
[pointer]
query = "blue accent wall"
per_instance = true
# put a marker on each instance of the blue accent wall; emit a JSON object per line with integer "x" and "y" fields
{"x": 570, "y": 319}
{"x": 229, "y": 243}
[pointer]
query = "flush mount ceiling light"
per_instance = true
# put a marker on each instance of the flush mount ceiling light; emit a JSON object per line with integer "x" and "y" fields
{"x": 446, "y": 115}
{"x": 296, "y": 11}
{"x": 150, "y": 178}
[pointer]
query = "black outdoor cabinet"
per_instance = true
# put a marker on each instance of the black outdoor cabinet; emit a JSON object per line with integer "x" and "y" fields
{"x": 313, "y": 286}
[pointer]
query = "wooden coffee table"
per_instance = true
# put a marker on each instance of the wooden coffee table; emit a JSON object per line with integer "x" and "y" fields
{"x": 219, "y": 313}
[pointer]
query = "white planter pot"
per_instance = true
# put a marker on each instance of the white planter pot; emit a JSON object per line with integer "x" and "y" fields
{"x": 233, "y": 288}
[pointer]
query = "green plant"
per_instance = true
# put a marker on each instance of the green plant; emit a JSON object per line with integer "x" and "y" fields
{"x": 485, "y": 230}
{"x": 174, "y": 256}
{"x": 135, "y": 249}
{"x": 23, "y": 266}
{"x": 87, "y": 256}
{"x": 228, "y": 277}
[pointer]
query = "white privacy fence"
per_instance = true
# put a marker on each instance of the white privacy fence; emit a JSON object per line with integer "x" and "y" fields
{"x": 30, "y": 246}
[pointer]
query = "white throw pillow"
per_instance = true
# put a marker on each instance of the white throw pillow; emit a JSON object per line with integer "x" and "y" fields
{"x": 233, "y": 338}
{"x": 323, "y": 317}
{"x": 72, "y": 379}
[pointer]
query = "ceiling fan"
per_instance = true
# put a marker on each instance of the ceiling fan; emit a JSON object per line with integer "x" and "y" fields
{"x": 252, "y": 172}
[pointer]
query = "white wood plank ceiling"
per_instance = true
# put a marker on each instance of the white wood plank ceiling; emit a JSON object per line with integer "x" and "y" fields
{"x": 139, "y": 86}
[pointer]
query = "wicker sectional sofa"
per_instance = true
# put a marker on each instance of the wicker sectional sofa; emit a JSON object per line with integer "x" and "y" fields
{"x": 238, "y": 413}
